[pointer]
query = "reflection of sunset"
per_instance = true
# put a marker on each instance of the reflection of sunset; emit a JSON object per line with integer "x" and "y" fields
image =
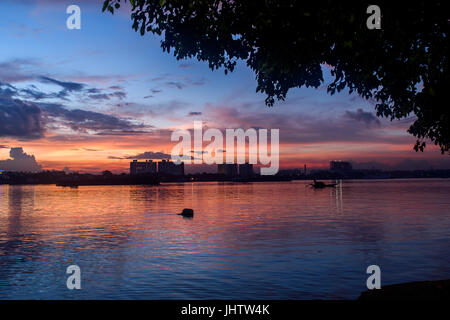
{"x": 130, "y": 241}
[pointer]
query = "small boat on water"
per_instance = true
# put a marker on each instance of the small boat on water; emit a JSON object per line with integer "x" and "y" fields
{"x": 187, "y": 213}
{"x": 321, "y": 185}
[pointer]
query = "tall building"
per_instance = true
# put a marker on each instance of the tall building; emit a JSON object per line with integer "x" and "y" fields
{"x": 246, "y": 170}
{"x": 228, "y": 169}
{"x": 146, "y": 167}
{"x": 340, "y": 166}
{"x": 169, "y": 167}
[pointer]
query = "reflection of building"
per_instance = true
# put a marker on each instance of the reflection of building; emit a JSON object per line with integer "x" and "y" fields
{"x": 168, "y": 167}
{"x": 228, "y": 169}
{"x": 246, "y": 170}
{"x": 340, "y": 166}
{"x": 137, "y": 167}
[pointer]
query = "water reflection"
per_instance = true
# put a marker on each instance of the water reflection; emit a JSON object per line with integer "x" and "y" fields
{"x": 253, "y": 240}
{"x": 338, "y": 196}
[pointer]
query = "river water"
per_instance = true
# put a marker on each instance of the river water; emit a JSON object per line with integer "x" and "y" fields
{"x": 280, "y": 240}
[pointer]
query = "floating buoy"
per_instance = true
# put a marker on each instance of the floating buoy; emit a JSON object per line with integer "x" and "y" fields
{"x": 187, "y": 213}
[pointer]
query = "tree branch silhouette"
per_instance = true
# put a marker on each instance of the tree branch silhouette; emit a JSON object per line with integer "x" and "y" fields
{"x": 403, "y": 67}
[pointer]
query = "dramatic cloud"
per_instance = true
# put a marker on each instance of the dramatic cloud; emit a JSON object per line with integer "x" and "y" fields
{"x": 20, "y": 70}
{"x": 361, "y": 115}
{"x": 33, "y": 93}
{"x": 106, "y": 96}
{"x": 67, "y": 86}
{"x": 304, "y": 128}
{"x": 146, "y": 155}
{"x": 20, "y": 119}
{"x": 20, "y": 162}
{"x": 150, "y": 155}
{"x": 7, "y": 90}
{"x": 82, "y": 120}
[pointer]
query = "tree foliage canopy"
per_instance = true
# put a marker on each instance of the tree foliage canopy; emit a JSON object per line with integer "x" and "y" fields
{"x": 403, "y": 66}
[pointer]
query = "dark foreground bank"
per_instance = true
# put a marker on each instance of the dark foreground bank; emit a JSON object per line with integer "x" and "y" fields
{"x": 421, "y": 290}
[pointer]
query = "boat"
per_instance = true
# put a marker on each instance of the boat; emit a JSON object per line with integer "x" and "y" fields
{"x": 321, "y": 185}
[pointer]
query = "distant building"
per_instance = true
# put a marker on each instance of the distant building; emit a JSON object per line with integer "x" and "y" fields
{"x": 146, "y": 167}
{"x": 169, "y": 167}
{"x": 228, "y": 169}
{"x": 340, "y": 166}
{"x": 246, "y": 170}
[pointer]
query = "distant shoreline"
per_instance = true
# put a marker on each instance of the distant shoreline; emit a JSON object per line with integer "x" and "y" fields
{"x": 74, "y": 179}
{"x": 63, "y": 185}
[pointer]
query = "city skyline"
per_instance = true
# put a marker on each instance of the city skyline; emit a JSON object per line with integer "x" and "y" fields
{"x": 23, "y": 162}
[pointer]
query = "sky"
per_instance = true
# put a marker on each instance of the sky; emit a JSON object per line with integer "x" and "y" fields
{"x": 92, "y": 99}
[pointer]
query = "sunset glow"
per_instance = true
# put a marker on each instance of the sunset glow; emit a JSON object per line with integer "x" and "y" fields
{"x": 104, "y": 94}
